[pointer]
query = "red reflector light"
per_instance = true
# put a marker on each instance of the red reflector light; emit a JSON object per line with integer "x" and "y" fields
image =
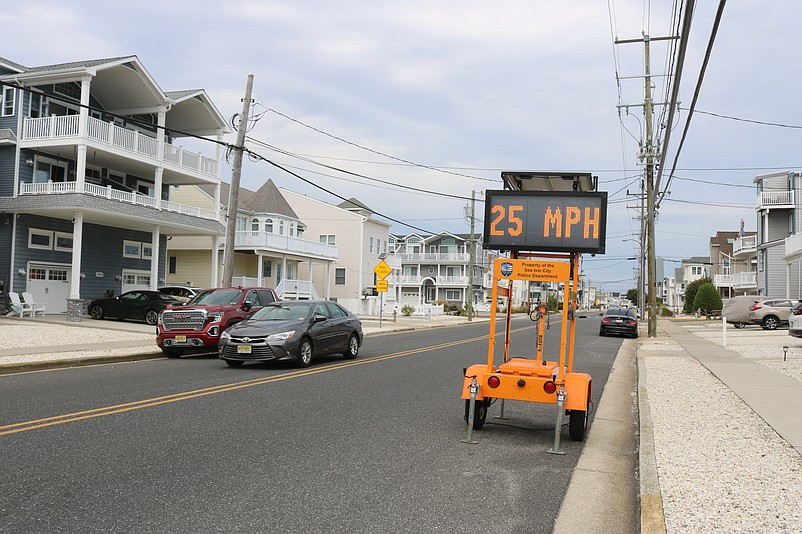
{"x": 756, "y": 306}
{"x": 549, "y": 387}
{"x": 493, "y": 381}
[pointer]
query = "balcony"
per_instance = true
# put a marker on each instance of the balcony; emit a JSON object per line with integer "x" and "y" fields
{"x": 723, "y": 280}
{"x": 793, "y": 246}
{"x": 410, "y": 280}
{"x": 64, "y": 129}
{"x": 284, "y": 243}
{"x": 432, "y": 257}
{"x": 452, "y": 280}
{"x": 128, "y": 197}
{"x": 744, "y": 246}
{"x": 745, "y": 280}
{"x": 775, "y": 200}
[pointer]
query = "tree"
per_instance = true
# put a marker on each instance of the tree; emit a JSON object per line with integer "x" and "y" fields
{"x": 690, "y": 293}
{"x": 707, "y": 299}
{"x": 632, "y": 295}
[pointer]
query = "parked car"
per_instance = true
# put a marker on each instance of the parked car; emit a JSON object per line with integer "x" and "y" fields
{"x": 138, "y": 305}
{"x": 770, "y": 314}
{"x": 182, "y": 293}
{"x": 293, "y": 330}
{"x": 197, "y": 325}
{"x": 619, "y": 321}
{"x": 795, "y": 320}
{"x": 736, "y": 309}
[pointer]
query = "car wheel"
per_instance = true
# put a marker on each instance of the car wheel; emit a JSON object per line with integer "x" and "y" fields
{"x": 152, "y": 317}
{"x": 601, "y": 332}
{"x": 479, "y": 413}
{"x": 353, "y": 348}
{"x": 770, "y": 322}
{"x": 172, "y": 353}
{"x": 96, "y": 312}
{"x": 304, "y": 356}
{"x": 739, "y": 325}
{"x": 234, "y": 363}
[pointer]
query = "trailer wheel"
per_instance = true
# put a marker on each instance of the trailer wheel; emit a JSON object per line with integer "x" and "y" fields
{"x": 479, "y": 414}
{"x": 577, "y": 424}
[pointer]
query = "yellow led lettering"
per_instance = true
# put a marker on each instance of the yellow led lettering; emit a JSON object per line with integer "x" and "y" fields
{"x": 553, "y": 220}
{"x": 592, "y": 220}
{"x": 572, "y": 215}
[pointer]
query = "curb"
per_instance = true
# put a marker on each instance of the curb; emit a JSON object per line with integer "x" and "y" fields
{"x": 652, "y": 517}
{"x": 44, "y": 365}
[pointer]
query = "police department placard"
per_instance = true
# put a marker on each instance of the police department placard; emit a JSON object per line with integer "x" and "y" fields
{"x": 546, "y": 221}
{"x": 538, "y": 271}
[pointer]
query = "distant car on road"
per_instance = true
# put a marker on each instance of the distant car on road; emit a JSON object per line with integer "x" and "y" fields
{"x": 619, "y": 321}
{"x": 137, "y": 305}
{"x": 292, "y": 330}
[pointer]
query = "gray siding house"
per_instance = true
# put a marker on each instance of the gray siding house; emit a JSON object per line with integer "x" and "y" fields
{"x": 88, "y": 158}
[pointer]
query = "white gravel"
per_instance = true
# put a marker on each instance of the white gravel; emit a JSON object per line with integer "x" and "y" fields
{"x": 721, "y": 468}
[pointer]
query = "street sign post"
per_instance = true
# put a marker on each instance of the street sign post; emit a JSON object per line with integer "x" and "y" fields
{"x": 382, "y": 270}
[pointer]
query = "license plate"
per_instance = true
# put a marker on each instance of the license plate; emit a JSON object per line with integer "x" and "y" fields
{"x": 180, "y": 339}
{"x": 244, "y": 349}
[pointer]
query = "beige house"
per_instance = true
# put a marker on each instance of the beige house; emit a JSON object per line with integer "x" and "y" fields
{"x": 360, "y": 240}
{"x": 269, "y": 245}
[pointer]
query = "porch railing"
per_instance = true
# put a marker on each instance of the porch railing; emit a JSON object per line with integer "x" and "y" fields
{"x": 130, "y": 197}
{"x": 260, "y": 239}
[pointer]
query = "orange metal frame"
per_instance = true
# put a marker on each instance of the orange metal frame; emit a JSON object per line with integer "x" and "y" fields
{"x": 527, "y": 379}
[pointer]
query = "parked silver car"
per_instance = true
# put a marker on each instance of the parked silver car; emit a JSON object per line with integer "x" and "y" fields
{"x": 770, "y": 314}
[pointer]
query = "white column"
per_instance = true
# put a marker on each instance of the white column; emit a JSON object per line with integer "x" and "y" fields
{"x": 328, "y": 280}
{"x": 214, "y": 282}
{"x": 259, "y": 268}
{"x": 157, "y": 179}
{"x": 83, "y": 120}
{"x": 154, "y": 259}
{"x": 77, "y": 242}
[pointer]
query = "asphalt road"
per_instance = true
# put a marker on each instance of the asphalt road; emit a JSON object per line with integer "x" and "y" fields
{"x": 371, "y": 445}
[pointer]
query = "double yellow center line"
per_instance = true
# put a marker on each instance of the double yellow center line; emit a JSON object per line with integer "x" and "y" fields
{"x": 176, "y": 397}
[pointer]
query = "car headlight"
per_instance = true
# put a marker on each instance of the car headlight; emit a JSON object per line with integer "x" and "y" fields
{"x": 215, "y": 317}
{"x": 282, "y": 336}
{"x": 225, "y": 337}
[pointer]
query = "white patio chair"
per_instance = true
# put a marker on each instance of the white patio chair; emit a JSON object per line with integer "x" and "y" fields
{"x": 19, "y": 307}
{"x": 35, "y": 308}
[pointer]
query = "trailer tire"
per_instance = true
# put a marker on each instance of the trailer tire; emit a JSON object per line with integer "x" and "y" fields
{"x": 479, "y": 414}
{"x": 577, "y": 424}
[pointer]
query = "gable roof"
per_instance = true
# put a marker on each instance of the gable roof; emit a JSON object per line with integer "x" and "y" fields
{"x": 267, "y": 199}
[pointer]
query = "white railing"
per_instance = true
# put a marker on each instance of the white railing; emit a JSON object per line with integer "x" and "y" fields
{"x": 297, "y": 289}
{"x": 285, "y": 243}
{"x": 130, "y": 197}
{"x": 723, "y": 280}
{"x": 775, "y": 199}
{"x": 410, "y": 280}
{"x": 744, "y": 245}
{"x": 67, "y": 126}
{"x": 744, "y": 279}
{"x": 452, "y": 280}
{"x": 434, "y": 257}
{"x": 793, "y": 245}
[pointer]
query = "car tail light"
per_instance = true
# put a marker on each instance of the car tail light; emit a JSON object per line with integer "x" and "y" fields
{"x": 493, "y": 381}
{"x": 631, "y": 321}
{"x": 605, "y": 319}
{"x": 797, "y": 311}
{"x": 549, "y": 387}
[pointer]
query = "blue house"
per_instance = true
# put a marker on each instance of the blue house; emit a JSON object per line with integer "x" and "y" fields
{"x": 88, "y": 159}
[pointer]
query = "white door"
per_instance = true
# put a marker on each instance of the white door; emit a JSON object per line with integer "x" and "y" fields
{"x": 135, "y": 280}
{"x": 49, "y": 285}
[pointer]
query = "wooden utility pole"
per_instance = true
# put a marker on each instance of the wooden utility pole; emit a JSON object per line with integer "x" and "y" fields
{"x": 472, "y": 258}
{"x": 233, "y": 196}
{"x": 650, "y": 254}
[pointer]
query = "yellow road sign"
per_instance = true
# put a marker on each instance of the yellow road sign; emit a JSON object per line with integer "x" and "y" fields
{"x": 382, "y": 270}
{"x": 381, "y": 286}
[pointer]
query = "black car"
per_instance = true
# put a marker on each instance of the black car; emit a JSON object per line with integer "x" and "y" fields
{"x": 619, "y": 321}
{"x": 138, "y": 305}
{"x": 292, "y": 330}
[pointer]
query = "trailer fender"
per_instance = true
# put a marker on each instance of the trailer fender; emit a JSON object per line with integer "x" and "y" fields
{"x": 577, "y": 391}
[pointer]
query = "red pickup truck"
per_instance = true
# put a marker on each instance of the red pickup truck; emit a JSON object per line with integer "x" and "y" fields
{"x": 198, "y": 324}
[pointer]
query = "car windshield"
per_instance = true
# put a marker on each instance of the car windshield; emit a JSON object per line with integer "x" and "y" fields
{"x": 219, "y": 296}
{"x": 282, "y": 312}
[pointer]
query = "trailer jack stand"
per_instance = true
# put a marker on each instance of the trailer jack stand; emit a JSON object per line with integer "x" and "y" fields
{"x": 558, "y": 428}
{"x": 474, "y": 389}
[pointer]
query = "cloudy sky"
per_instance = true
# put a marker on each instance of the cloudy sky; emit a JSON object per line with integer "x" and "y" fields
{"x": 430, "y": 100}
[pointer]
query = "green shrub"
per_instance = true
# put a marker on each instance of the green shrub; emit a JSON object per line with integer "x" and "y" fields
{"x": 707, "y": 299}
{"x": 407, "y": 310}
{"x": 690, "y": 293}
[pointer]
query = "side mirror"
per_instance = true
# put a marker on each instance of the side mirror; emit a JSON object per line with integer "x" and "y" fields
{"x": 319, "y": 318}
{"x": 247, "y": 305}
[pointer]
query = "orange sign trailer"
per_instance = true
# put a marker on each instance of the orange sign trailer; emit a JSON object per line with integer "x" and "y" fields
{"x": 509, "y": 217}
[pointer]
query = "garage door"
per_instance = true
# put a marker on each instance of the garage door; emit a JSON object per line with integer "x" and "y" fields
{"x": 50, "y": 285}
{"x": 135, "y": 280}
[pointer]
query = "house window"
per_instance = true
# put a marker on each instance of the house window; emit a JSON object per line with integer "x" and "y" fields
{"x": 281, "y": 228}
{"x": 132, "y": 249}
{"x": 370, "y": 246}
{"x": 696, "y": 270}
{"x": 242, "y": 222}
{"x": 40, "y": 239}
{"x": 72, "y": 89}
{"x": 35, "y": 110}
{"x": 63, "y": 242}
{"x": 49, "y": 171}
{"x": 339, "y": 276}
{"x": 267, "y": 269}
{"x": 269, "y": 226}
{"x": 8, "y": 101}
{"x": 327, "y": 239}
{"x": 37, "y": 274}
{"x": 172, "y": 265}
{"x": 453, "y": 294}
{"x": 255, "y": 227}
{"x": 147, "y": 251}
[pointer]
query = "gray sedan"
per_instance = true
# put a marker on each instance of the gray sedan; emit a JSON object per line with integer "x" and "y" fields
{"x": 292, "y": 330}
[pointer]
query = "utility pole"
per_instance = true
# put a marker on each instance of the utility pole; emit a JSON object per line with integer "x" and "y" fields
{"x": 233, "y": 197}
{"x": 648, "y": 111}
{"x": 471, "y": 258}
